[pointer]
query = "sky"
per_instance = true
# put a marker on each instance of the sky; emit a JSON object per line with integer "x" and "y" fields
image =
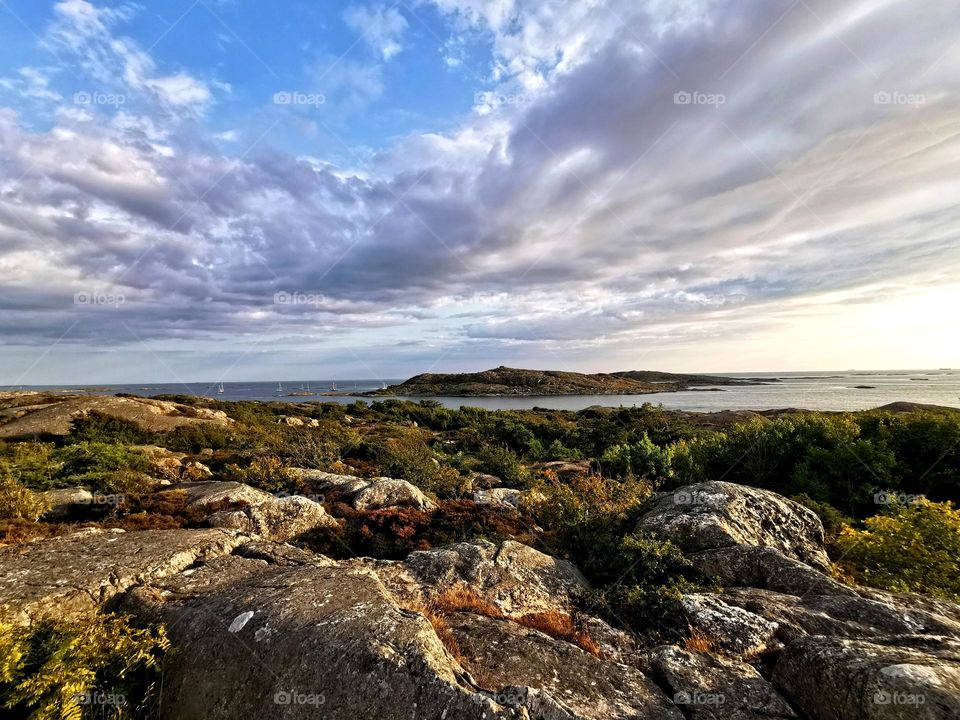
{"x": 220, "y": 190}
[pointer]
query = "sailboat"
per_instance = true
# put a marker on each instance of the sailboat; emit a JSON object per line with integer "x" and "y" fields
{"x": 333, "y": 386}
{"x": 220, "y": 389}
{"x": 279, "y": 388}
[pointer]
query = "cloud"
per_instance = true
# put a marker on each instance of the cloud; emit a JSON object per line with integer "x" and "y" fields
{"x": 381, "y": 27}
{"x": 680, "y": 176}
{"x": 87, "y": 32}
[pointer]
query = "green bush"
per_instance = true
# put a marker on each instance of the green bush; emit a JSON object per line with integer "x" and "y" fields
{"x": 642, "y": 459}
{"x": 504, "y": 463}
{"x": 97, "y": 427}
{"x": 31, "y": 463}
{"x": 266, "y": 473}
{"x": 53, "y": 669}
{"x": 408, "y": 456}
{"x": 103, "y": 467}
{"x": 18, "y": 502}
{"x": 910, "y": 548}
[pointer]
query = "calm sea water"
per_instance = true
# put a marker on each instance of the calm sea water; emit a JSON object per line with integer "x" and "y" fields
{"x": 854, "y": 390}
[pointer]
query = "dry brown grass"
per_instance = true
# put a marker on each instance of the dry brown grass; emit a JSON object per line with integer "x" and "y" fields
{"x": 461, "y": 598}
{"x": 562, "y": 626}
{"x": 699, "y": 642}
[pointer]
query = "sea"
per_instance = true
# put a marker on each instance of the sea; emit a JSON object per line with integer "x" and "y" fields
{"x": 849, "y": 390}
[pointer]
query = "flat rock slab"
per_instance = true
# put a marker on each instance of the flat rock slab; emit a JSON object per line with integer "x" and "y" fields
{"x": 915, "y": 677}
{"x": 573, "y": 684}
{"x": 514, "y": 577}
{"x": 711, "y": 687}
{"x": 73, "y": 575}
{"x": 845, "y": 616}
{"x": 254, "y": 640}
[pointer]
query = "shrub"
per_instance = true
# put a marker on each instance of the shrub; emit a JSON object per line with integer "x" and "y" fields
{"x": 48, "y": 669}
{"x": 911, "y": 548}
{"x": 31, "y": 463}
{"x": 97, "y": 427}
{"x": 504, "y": 463}
{"x": 18, "y": 502}
{"x": 408, "y": 456}
{"x": 642, "y": 459}
{"x": 644, "y": 580}
{"x": 267, "y": 473}
{"x": 103, "y": 467}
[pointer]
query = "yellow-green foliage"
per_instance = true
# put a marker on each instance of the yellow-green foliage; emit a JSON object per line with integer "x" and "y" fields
{"x": 49, "y": 671}
{"x": 18, "y": 502}
{"x": 912, "y": 548}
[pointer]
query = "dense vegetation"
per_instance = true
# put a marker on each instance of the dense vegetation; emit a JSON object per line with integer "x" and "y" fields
{"x": 884, "y": 483}
{"x": 100, "y": 667}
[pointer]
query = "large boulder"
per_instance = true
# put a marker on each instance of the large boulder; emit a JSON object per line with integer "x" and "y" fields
{"x": 513, "y": 577}
{"x": 373, "y": 494}
{"x": 277, "y": 519}
{"x": 76, "y": 574}
{"x": 387, "y": 492}
{"x": 916, "y": 677}
{"x": 530, "y": 669}
{"x": 713, "y": 687}
{"x": 65, "y": 501}
{"x": 217, "y": 492}
{"x": 714, "y": 515}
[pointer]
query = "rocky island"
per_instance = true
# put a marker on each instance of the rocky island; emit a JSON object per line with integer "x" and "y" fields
{"x": 504, "y": 381}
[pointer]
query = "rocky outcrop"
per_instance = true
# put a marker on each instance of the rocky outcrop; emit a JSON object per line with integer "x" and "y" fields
{"x": 387, "y": 492}
{"x": 291, "y": 634}
{"x": 514, "y": 578}
{"x": 302, "y": 642}
{"x": 74, "y": 575}
{"x": 205, "y": 494}
{"x": 726, "y": 627}
{"x": 24, "y": 415}
{"x": 373, "y": 494}
{"x": 528, "y": 668}
{"x": 65, "y": 501}
{"x": 915, "y": 677}
{"x": 715, "y": 515}
{"x": 277, "y": 519}
{"x": 712, "y": 687}
{"x": 767, "y": 568}
{"x": 505, "y": 498}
